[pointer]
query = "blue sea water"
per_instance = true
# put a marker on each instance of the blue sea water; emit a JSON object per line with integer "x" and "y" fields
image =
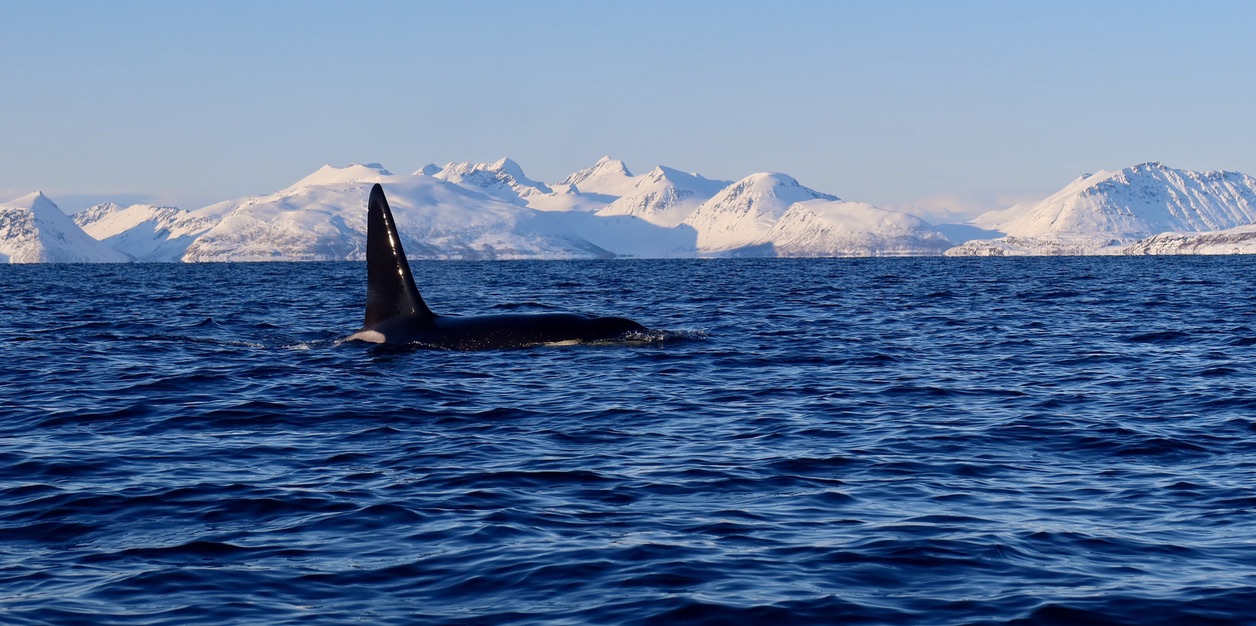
{"x": 870, "y": 441}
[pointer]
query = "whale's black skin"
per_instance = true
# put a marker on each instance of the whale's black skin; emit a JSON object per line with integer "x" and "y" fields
{"x": 396, "y": 313}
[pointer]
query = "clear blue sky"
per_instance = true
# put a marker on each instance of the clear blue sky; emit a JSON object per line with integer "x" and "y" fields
{"x": 893, "y": 103}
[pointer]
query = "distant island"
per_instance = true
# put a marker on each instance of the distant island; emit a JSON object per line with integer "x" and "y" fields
{"x": 494, "y": 211}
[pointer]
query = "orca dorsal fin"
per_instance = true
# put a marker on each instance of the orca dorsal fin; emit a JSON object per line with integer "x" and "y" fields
{"x": 390, "y": 288}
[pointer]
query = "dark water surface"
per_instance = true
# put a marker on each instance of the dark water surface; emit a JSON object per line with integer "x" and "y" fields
{"x": 909, "y": 441}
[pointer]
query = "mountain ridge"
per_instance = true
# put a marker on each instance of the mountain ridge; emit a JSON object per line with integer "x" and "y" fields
{"x": 468, "y": 210}
{"x": 745, "y": 211}
{"x": 1114, "y": 208}
{"x": 33, "y": 229}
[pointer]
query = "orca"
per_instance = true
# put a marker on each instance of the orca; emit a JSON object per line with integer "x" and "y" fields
{"x": 397, "y": 314}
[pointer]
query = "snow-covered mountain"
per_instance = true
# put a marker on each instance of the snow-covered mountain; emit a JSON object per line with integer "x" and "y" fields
{"x": 1106, "y": 209}
{"x": 142, "y": 231}
{"x": 33, "y": 229}
{"x": 744, "y": 212}
{"x": 327, "y": 221}
{"x": 664, "y": 196}
{"x": 832, "y": 228}
{"x": 492, "y": 210}
{"x": 331, "y": 174}
{"x": 503, "y": 179}
{"x": 617, "y": 235}
{"x": 498, "y": 216}
{"x": 608, "y": 177}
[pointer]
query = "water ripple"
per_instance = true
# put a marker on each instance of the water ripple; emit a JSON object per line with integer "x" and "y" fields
{"x": 879, "y": 441}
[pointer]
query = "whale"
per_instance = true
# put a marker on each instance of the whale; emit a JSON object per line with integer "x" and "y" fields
{"x": 396, "y": 313}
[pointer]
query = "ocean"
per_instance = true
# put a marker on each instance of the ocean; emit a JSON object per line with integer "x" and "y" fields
{"x": 810, "y": 441}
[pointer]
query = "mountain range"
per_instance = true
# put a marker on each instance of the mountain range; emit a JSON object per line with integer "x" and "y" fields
{"x": 1116, "y": 212}
{"x": 495, "y": 211}
{"x": 34, "y": 230}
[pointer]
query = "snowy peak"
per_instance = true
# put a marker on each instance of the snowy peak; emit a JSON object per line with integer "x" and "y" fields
{"x": 332, "y": 175}
{"x": 35, "y": 201}
{"x": 435, "y": 218}
{"x": 663, "y": 175}
{"x": 1153, "y": 178}
{"x": 664, "y": 196}
{"x": 608, "y": 176}
{"x": 33, "y": 229}
{"x": 103, "y": 221}
{"x": 39, "y": 208}
{"x": 502, "y": 179}
{"x": 607, "y": 165}
{"x": 745, "y": 211}
{"x": 767, "y": 182}
{"x": 1133, "y": 203}
{"x": 509, "y": 166}
{"x": 493, "y": 210}
{"x": 95, "y": 214}
{"x": 145, "y": 232}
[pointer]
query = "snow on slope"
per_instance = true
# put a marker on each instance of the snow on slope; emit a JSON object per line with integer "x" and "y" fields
{"x": 1033, "y": 246}
{"x": 1240, "y": 240}
{"x": 503, "y": 179}
{"x": 568, "y": 198}
{"x": 744, "y": 212}
{"x": 832, "y": 228}
{"x": 165, "y": 234}
{"x": 608, "y": 177}
{"x": 617, "y": 235}
{"x": 506, "y": 181}
{"x": 331, "y": 175}
{"x": 664, "y": 196}
{"x": 497, "y": 212}
{"x": 1133, "y": 203}
{"x": 327, "y": 221}
{"x": 143, "y": 231}
{"x": 589, "y": 190}
{"x": 33, "y": 229}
